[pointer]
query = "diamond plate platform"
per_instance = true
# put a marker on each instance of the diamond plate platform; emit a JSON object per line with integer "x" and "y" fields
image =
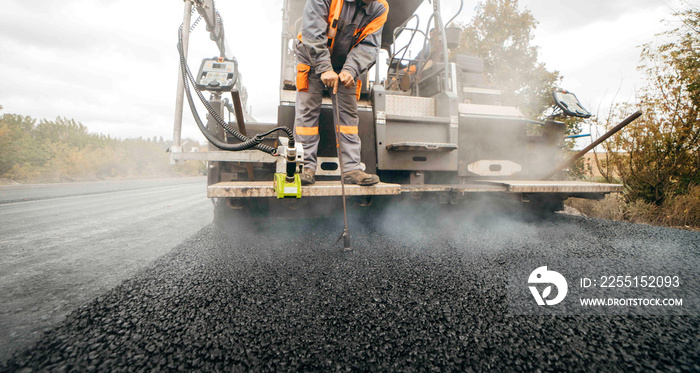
{"x": 539, "y": 186}
{"x": 264, "y": 189}
{"x": 247, "y": 189}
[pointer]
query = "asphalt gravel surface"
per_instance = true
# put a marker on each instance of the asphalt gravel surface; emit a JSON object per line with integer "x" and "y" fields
{"x": 423, "y": 290}
{"x": 16, "y": 192}
{"x": 61, "y": 248}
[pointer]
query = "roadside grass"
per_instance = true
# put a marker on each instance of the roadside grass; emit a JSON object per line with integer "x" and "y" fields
{"x": 681, "y": 211}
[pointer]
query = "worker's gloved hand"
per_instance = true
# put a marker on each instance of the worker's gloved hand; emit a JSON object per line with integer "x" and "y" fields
{"x": 347, "y": 79}
{"x": 330, "y": 79}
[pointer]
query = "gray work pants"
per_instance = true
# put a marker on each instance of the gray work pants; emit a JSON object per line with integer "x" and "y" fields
{"x": 308, "y": 109}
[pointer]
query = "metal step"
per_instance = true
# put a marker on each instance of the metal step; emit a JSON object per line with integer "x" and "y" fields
{"x": 416, "y": 119}
{"x": 421, "y": 146}
{"x": 410, "y": 106}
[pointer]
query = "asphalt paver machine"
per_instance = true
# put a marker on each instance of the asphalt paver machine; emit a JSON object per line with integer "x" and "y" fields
{"x": 431, "y": 127}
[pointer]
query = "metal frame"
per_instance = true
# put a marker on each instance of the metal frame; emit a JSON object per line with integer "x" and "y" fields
{"x": 445, "y": 117}
{"x": 214, "y": 25}
{"x": 208, "y": 12}
{"x": 180, "y": 93}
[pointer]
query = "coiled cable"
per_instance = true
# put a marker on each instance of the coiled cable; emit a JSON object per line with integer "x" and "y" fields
{"x": 246, "y": 142}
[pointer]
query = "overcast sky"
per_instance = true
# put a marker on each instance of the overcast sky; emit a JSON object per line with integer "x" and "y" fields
{"x": 112, "y": 64}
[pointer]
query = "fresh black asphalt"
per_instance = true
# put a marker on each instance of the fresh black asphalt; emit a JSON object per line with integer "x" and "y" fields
{"x": 422, "y": 291}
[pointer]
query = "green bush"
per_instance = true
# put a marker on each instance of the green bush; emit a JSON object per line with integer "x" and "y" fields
{"x": 680, "y": 211}
{"x": 658, "y": 155}
{"x": 63, "y": 150}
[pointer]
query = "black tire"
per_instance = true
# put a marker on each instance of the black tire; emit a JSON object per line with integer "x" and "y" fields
{"x": 229, "y": 211}
{"x": 545, "y": 205}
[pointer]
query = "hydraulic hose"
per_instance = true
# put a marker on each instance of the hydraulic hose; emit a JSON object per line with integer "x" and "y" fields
{"x": 405, "y": 48}
{"x": 246, "y": 142}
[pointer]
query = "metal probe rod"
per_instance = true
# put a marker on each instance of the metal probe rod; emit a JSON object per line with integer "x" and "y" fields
{"x": 240, "y": 119}
{"x": 443, "y": 35}
{"x": 180, "y": 95}
{"x": 580, "y": 154}
{"x": 345, "y": 235}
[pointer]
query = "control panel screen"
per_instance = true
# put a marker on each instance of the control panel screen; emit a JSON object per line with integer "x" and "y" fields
{"x": 216, "y": 75}
{"x": 570, "y": 104}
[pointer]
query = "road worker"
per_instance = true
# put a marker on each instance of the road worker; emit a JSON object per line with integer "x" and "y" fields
{"x": 338, "y": 42}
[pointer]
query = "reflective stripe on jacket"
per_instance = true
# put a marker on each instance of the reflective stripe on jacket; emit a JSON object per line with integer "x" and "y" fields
{"x": 320, "y": 21}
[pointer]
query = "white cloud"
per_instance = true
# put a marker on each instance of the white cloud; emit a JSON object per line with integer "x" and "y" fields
{"x": 598, "y": 56}
{"x": 112, "y": 65}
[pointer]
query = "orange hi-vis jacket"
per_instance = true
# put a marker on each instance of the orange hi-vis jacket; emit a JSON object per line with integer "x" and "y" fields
{"x": 341, "y": 35}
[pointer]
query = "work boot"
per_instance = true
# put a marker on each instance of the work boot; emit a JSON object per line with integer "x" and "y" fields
{"x": 360, "y": 177}
{"x": 307, "y": 176}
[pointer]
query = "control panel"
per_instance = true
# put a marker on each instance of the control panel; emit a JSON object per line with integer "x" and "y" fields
{"x": 569, "y": 104}
{"x": 216, "y": 74}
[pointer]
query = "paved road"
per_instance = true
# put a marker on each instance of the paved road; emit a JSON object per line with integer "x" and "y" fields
{"x": 424, "y": 290}
{"x": 33, "y": 192}
{"x": 64, "y": 244}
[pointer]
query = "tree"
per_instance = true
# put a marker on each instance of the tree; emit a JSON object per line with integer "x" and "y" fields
{"x": 64, "y": 150}
{"x": 501, "y": 34}
{"x": 658, "y": 156}
{"x": 18, "y": 142}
